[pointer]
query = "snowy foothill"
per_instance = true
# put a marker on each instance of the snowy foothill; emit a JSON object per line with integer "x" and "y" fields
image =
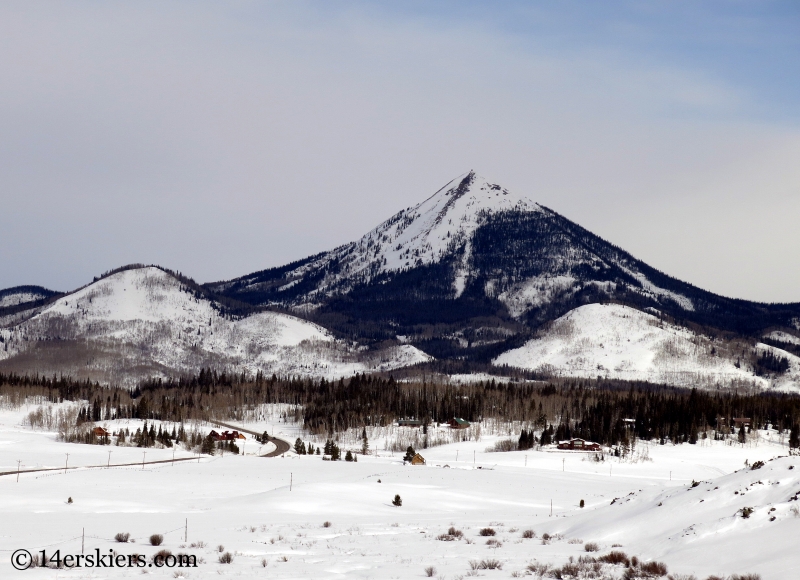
{"x": 619, "y": 342}
{"x": 709, "y": 508}
{"x": 144, "y": 321}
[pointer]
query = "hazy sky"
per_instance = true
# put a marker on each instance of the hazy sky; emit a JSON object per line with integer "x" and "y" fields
{"x": 219, "y": 138}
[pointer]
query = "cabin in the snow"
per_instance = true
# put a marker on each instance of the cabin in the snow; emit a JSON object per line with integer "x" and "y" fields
{"x": 579, "y": 445}
{"x": 226, "y": 435}
{"x": 418, "y": 460}
{"x": 457, "y": 423}
{"x": 100, "y": 432}
{"x": 739, "y": 422}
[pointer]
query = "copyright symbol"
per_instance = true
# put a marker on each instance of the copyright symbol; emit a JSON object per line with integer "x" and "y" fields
{"x": 21, "y": 559}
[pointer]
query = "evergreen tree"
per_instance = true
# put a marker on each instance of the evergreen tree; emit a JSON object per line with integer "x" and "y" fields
{"x": 794, "y": 437}
{"x": 348, "y": 456}
{"x": 364, "y": 442}
{"x": 410, "y": 453}
{"x": 208, "y": 446}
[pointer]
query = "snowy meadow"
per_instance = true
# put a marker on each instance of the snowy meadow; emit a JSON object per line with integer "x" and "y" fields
{"x": 715, "y": 508}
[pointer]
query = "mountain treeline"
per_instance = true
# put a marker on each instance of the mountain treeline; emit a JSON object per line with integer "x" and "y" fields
{"x": 604, "y": 411}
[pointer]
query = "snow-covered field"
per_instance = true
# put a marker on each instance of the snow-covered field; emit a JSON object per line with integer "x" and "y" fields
{"x": 270, "y": 513}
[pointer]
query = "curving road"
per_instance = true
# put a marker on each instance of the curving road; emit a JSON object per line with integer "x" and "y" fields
{"x": 281, "y": 445}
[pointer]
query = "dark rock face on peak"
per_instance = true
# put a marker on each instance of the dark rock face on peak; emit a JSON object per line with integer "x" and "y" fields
{"x": 474, "y": 270}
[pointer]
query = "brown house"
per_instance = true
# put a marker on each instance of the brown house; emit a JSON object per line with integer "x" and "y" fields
{"x": 226, "y": 435}
{"x": 579, "y": 445}
{"x": 458, "y": 423}
{"x": 100, "y": 432}
{"x": 418, "y": 460}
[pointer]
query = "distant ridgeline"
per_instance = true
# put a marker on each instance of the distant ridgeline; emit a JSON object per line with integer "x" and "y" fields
{"x": 609, "y": 412}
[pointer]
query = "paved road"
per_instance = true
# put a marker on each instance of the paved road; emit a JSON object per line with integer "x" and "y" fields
{"x": 21, "y": 471}
{"x": 281, "y": 446}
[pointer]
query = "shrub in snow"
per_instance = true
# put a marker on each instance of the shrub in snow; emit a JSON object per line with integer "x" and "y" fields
{"x": 397, "y": 501}
{"x": 226, "y": 558}
{"x": 160, "y": 557}
{"x": 490, "y": 564}
{"x": 757, "y": 465}
{"x": 122, "y": 537}
{"x": 156, "y": 539}
{"x": 348, "y": 456}
{"x": 494, "y": 543}
{"x": 615, "y": 557}
{"x": 746, "y": 512}
{"x": 69, "y": 499}
{"x": 528, "y": 534}
{"x": 220, "y": 548}
{"x": 591, "y": 547}
{"x": 538, "y": 569}
{"x": 654, "y": 569}
{"x": 487, "y": 532}
{"x": 454, "y": 532}
{"x": 430, "y": 571}
{"x": 326, "y": 524}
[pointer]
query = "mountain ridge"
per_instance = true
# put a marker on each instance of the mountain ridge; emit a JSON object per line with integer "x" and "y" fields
{"x": 471, "y": 274}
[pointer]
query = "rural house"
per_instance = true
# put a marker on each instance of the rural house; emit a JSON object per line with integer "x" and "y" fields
{"x": 578, "y": 445}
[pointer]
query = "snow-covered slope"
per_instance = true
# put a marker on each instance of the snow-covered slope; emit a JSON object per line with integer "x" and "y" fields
{"x": 474, "y": 226}
{"x": 751, "y": 513}
{"x": 616, "y": 341}
{"x": 144, "y": 321}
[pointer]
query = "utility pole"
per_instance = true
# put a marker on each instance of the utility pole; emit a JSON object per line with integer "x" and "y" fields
{"x": 109, "y": 460}
{"x": 551, "y": 508}
{"x": 456, "y": 454}
{"x": 173, "y": 455}
{"x": 18, "y": 462}
{"x": 66, "y": 463}
{"x": 143, "y": 456}
{"x": 83, "y": 536}
{"x": 563, "y": 459}
{"x": 473, "y": 457}
{"x": 290, "y": 481}
{"x": 526, "y": 461}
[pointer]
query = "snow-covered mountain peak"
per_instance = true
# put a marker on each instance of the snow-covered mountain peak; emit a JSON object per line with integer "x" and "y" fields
{"x": 423, "y": 234}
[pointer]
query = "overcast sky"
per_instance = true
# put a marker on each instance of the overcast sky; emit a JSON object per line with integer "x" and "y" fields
{"x": 220, "y": 138}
